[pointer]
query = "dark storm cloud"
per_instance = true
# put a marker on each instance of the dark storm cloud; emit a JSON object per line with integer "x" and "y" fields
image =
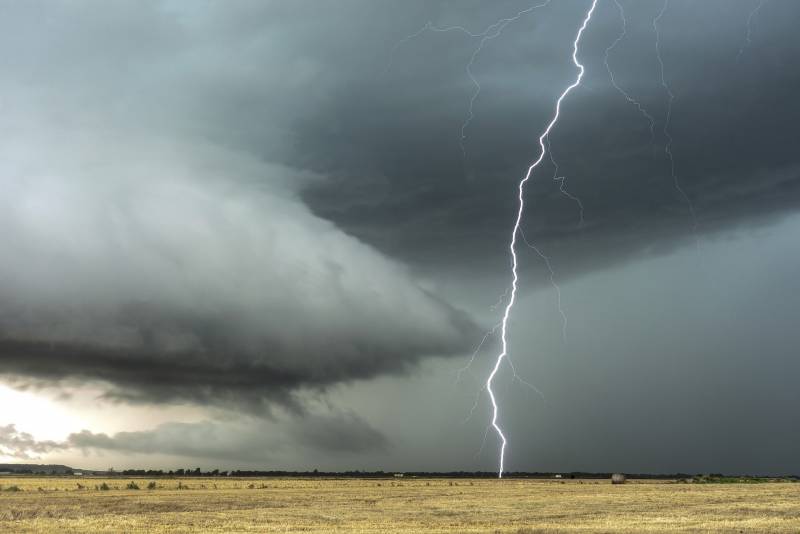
{"x": 224, "y": 375}
{"x": 245, "y": 440}
{"x": 166, "y": 169}
{"x": 343, "y": 433}
{"x": 145, "y": 250}
{"x": 172, "y": 285}
{"x": 401, "y": 183}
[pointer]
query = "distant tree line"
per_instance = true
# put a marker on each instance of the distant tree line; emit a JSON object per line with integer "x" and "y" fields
{"x": 39, "y": 469}
{"x": 197, "y": 472}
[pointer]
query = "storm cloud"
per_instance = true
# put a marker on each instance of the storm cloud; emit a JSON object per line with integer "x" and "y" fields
{"x": 148, "y": 272}
{"x": 734, "y": 136}
{"x": 255, "y": 205}
{"x": 169, "y": 267}
{"x": 248, "y": 440}
{"x": 22, "y": 445}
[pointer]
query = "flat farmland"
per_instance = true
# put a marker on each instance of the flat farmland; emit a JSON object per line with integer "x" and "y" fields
{"x": 408, "y": 505}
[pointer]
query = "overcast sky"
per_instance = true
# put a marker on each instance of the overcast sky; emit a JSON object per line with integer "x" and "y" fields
{"x": 272, "y": 234}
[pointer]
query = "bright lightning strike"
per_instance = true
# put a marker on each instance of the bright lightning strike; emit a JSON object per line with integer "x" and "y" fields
{"x": 516, "y": 230}
{"x": 491, "y": 32}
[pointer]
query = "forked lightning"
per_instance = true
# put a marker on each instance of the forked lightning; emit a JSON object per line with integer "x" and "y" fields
{"x": 516, "y": 232}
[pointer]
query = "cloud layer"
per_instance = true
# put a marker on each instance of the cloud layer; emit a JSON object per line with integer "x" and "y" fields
{"x": 145, "y": 249}
{"x": 22, "y": 445}
{"x": 170, "y": 274}
{"x": 248, "y": 440}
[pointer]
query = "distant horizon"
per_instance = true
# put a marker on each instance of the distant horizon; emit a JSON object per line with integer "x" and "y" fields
{"x": 355, "y": 473}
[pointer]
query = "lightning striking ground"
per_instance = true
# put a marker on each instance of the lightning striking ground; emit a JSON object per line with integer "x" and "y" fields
{"x": 491, "y": 32}
{"x": 467, "y": 368}
{"x": 513, "y": 244}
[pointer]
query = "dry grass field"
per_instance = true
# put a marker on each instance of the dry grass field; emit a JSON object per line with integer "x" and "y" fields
{"x": 57, "y": 504}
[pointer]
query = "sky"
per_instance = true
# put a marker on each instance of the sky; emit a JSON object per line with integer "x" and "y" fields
{"x": 274, "y": 235}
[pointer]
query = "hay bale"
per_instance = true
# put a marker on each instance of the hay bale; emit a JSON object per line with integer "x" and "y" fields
{"x": 618, "y": 478}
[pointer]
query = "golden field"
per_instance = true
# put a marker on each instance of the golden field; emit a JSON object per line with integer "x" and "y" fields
{"x": 408, "y": 505}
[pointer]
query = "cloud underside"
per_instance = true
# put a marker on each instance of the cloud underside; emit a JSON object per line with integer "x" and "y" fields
{"x": 218, "y": 379}
{"x": 169, "y": 275}
{"x": 228, "y": 219}
{"x": 248, "y": 440}
{"x": 733, "y": 139}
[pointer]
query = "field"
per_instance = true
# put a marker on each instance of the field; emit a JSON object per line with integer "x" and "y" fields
{"x": 58, "y": 504}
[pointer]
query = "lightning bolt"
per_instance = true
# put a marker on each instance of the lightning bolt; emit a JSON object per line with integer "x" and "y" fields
{"x": 500, "y": 300}
{"x": 670, "y": 99}
{"x": 625, "y": 94}
{"x": 493, "y": 31}
{"x": 553, "y": 283}
{"x": 516, "y": 230}
{"x": 562, "y": 186}
{"x": 468, "y": 366}
{"x": 667, "y": 120}
{"x": 748, "y": 35}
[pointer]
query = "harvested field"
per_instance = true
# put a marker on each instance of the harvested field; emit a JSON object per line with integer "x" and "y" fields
{"x": 58, "y": 504}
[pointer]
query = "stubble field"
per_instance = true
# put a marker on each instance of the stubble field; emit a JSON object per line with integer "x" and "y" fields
{"x": 57, "y": 504}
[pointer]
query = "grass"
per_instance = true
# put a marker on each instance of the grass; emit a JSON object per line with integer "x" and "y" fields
{"x": 406, "y": 506}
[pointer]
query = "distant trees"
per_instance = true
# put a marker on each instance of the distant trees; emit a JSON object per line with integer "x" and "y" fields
{"x": 145, "y": 473}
